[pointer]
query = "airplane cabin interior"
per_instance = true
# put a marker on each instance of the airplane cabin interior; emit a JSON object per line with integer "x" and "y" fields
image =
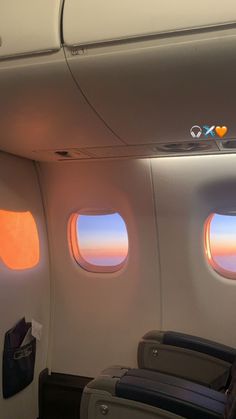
{"x": 117, "y": 209}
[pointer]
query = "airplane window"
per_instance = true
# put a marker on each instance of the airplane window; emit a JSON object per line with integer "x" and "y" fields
{"x": 19, "y": 241}
{"x": 220, "y": 243}
{"x": 99, "y": 242}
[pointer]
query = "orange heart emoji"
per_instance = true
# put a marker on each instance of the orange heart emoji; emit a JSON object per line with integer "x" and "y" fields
{"x": 221, "y": 131}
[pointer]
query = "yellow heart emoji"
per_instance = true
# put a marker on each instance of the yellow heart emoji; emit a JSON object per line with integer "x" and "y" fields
{"x": 221, "y": 131}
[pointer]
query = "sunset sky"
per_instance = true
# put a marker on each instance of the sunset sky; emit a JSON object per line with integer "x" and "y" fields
{"x": 223, "y": 241}
{"x": 102, "y": 239}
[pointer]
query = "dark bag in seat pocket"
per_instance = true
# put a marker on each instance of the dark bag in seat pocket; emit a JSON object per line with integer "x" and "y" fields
{"x": 18, "y": 368}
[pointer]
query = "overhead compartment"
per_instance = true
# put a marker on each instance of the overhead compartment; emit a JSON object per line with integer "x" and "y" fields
{"x": 154, "y": 90}
{"x": 42, "y": 109}
{"x": 29, "y": 26}
{"x": 137, "y": 74}
{"x": 92, "y": 21}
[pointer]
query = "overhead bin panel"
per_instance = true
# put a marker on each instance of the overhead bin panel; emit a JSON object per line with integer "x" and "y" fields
{"x": 43, "y": 110}
{"x": 155, "y": 90}
{"x": 93, "y": 21}
{"x": 29, "y": 26}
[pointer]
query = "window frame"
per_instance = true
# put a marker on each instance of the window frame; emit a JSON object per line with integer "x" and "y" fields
{"x": 207, "y": 246}
{"x": 74, "y": 244}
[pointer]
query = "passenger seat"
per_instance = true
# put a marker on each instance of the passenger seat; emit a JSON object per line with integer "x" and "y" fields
{"x": 190, "y": 357}
{"x": 141, "y": 394}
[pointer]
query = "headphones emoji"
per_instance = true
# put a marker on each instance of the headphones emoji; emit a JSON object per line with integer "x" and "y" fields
{"x": 196, "y": 131}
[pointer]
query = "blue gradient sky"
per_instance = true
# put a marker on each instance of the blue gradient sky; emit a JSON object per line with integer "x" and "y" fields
{"x": 102, "y": 239}
{"x": 223, "y": 241}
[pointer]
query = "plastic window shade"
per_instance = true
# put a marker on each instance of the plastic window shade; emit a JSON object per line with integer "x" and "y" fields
{"x": 19, "y": 240}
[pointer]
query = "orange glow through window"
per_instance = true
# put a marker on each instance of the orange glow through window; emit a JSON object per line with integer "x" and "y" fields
{"x": 220, "y": 244}
{"x": 19, "y": 240}
{"x": 99, "y": 242}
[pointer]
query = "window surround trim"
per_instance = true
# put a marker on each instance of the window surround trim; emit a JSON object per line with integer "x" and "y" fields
{"x": 207, "y": 246}
{"x": 74, "y": 245}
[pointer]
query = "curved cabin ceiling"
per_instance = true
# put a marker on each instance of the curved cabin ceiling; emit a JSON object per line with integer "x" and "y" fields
{"x": 102, "y": 80}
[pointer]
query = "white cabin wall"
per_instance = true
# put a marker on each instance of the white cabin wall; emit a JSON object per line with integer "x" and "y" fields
{"x": 99, "y": 318}
{"x": 196, "y": 299}
{"x": 24, "y": 292}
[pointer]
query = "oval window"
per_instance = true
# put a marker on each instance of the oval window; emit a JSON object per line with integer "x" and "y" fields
{"x": 19, "y": 240}
{"x": 220, "y": 243}
{"x": 99, "y": 242}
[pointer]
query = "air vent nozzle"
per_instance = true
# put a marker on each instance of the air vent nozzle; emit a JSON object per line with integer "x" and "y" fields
{"x": 63, "y": 153}
{"x": 227, "y": 145}
{"x": 184, "y": 147}
{"x": 71, "y": 154}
